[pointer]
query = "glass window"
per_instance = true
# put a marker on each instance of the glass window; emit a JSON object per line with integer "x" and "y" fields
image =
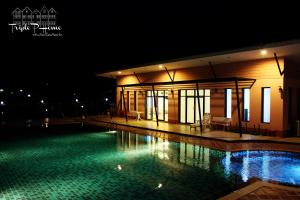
{"x": 228, "y": 94}
{"x": 246, "y": 104}
{"x": 190, "y": 92}
{"x": 266, "y": 105}
{"x": 182, "y": 109}
{"x": 161, "y": 93}
{"x": 200, "y": 93}
{"x": 182, "y": 93}
{"x": 207, "y": 104}
{"x": 207, "y": 92}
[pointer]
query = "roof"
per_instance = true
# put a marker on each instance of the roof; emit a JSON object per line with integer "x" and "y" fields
{"x": 289, "y": 49}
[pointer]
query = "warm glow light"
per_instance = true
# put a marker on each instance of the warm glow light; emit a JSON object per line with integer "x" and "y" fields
{"x": 21, "y": 90}
{"x": 159, "y": 185}
{"x": 77, "y": 100}
{"x": 2, "y": 102}
{"x": 119, "y": 167}
{"x": 106, "y": 99}
{"x": 263, "y": 52}
{"x": 119, "y": 72}
{"x": 46, "y": 110}
{"x": 1, "y": 90}
{"x": 28, "y": 95}
{"x": 82, "y": 106}
{"x": 160, "y": 66}
{"x": 42, "y": 101}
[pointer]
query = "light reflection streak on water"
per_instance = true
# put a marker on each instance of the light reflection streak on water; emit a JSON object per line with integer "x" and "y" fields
{"x": 278, "y": 166}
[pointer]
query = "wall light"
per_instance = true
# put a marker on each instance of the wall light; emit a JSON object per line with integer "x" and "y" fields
{"x": 263, "y": 52}
{"x": 281, "y": 92}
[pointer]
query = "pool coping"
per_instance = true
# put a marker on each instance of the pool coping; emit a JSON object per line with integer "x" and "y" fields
{"x": 248, "y": 144}
{"x": 255, "y": 186}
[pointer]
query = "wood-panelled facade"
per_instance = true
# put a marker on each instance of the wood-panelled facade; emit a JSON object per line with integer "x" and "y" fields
{"x": 284, "y": 98}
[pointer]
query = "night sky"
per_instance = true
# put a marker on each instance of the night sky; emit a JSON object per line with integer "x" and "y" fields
{"x": 115, "y": 34}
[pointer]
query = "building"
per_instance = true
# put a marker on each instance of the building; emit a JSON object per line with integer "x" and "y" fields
{"x": 43, "y": 18}
{"x": 267, "y": 79}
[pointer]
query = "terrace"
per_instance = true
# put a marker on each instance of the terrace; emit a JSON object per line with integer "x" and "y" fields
{"x": 213, "y": 138}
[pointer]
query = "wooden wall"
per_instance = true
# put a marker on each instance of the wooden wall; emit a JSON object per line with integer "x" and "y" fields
{"x": 264, "y": 71}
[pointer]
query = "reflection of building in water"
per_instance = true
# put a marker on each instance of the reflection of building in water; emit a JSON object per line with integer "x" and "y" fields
{"x": 172, "y": 152}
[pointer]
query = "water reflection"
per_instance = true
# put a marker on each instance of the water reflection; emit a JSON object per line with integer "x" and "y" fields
{"x": 266, "y": 165}
{"x": 174, "y": 152}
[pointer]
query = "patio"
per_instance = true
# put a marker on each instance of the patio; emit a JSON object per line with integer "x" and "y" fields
{"x": 216, "y": 139}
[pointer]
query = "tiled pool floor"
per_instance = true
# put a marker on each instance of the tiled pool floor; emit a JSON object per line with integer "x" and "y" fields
{"x": 100, "y": 165}
{"x": 121, "y": 165}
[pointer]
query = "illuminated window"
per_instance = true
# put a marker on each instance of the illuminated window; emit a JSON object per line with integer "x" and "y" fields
{"x": 188, "y": 105}
{"x": 266, "y": 105}
{"x": 228, "y": 95}
{"x": 246, "y": 104}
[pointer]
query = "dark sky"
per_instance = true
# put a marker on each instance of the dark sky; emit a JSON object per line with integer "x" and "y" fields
{"x": 101, "y": 36}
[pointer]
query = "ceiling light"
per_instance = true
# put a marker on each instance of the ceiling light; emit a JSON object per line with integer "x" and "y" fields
{"x": 263, "y": 52}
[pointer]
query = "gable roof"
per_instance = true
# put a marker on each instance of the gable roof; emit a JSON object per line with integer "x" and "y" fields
{"x": 16, "y": 10}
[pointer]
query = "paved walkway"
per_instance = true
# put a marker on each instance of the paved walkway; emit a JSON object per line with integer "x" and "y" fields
{"x": 222, "y": 140}
{"x": 185, "y": 130}
{"x": 264, "y": 191}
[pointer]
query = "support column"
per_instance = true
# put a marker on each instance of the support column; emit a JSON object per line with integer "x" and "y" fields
{"x": 238, "y": 106}
{"x": 155, "y": 105}
{"x": 199, "y": 108}
{"x": 124, "y": 104}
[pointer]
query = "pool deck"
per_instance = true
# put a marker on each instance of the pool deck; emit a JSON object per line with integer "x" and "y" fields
{"x": 262, "y": 191}
{"x": 223, "y": 140}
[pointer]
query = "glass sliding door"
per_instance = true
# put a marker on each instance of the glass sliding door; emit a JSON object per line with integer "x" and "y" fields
{"x": 160, "y": 108}
{"x": 182, "y": 106}
{"x": 190, "y": 110}
{"x": 161, "y": 98}
{"x": 149, "y": 106}
{"x": 188, "y": 106}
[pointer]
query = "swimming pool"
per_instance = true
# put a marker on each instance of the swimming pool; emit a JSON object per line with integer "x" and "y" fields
{"x": 120, "y": 165}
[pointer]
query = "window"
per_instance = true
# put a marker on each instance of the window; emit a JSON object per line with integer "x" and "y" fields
{"x": 246, "y": 104}
{"x": 121, "y": 100}
{"x": 128, "y": 101}
{"x": 161, "y": 100}
{"x": 135, "y": 101}
{"x": 228, "y": 94}
{"x": 266, "y": 105}
{"x": 188, "y": 105}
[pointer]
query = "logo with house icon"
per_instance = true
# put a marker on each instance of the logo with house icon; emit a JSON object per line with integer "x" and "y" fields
{"x": 42, "y": 22}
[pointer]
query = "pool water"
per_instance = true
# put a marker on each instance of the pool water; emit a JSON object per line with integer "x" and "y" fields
{"x": 120, "y": 165}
